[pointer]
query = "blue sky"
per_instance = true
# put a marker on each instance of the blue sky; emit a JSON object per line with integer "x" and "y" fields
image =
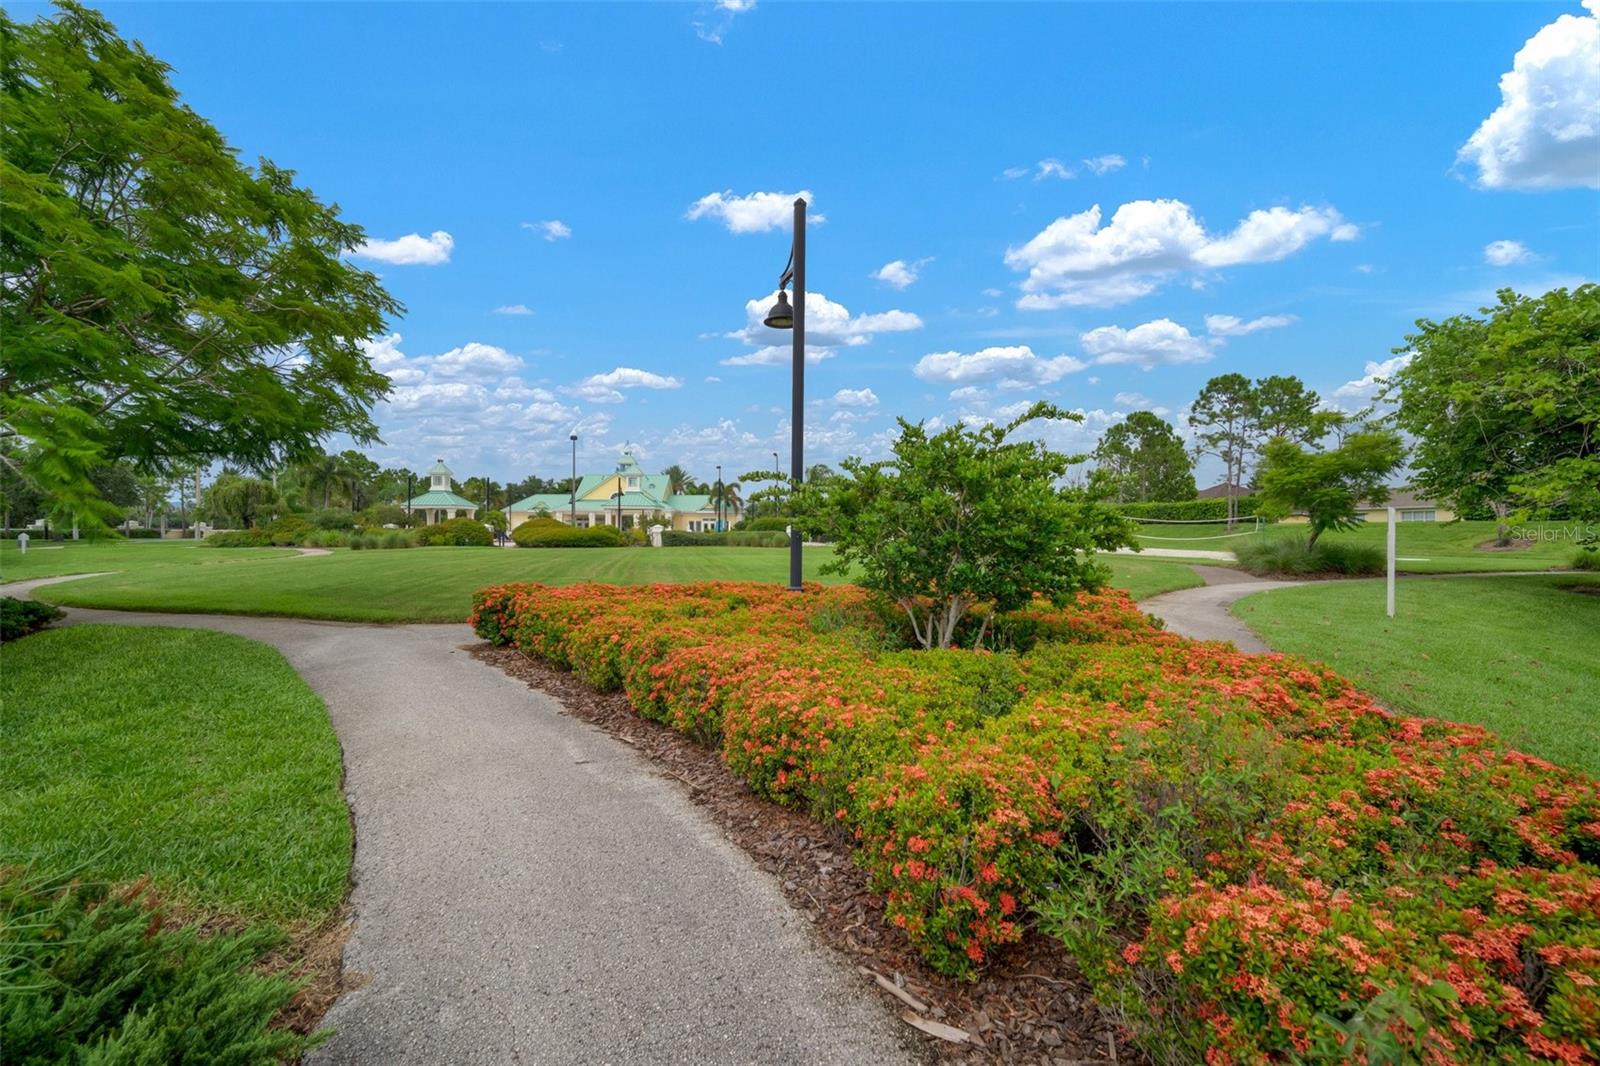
{"x": 1280, "y": 189}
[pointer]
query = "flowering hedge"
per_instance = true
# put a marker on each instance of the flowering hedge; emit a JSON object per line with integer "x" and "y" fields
{"x": 1250, "y": 860}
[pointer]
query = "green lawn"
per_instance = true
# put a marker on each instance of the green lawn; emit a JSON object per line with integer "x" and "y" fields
{"x": 91, "y": 556}
{"x": 200, "y": 759}
{"x": 1520, "y": 655}
{"x": 1456, "y": 547}
{"x": 436, "y": 584}
{"x": 1420, "y": 547}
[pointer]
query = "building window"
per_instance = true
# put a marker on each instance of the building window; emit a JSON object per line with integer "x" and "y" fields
{"x": 1418, "y": 515}
{"x": 633, "y": 483}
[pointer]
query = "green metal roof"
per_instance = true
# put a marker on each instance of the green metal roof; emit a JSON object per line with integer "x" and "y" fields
{"x": 440, "y": 468}
{"x": 560, "y": 501}
{"x": 440, "y": 498}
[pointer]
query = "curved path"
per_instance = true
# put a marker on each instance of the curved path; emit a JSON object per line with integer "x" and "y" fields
{"x": 529, "y": 889}
{"x": 1203, "y": 613}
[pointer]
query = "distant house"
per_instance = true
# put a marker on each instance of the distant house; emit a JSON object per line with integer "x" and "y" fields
{"x": 440, "y": 501}
{"x": 1408, "y": 507}
{"x": 643, "y": 498}
{"x": 1219, "y": 491}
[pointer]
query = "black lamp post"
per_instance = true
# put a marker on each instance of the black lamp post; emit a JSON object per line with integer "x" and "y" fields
{"x": 618, "y": 497}
{"x": 783, "y": 317}
{"x": 408, "y": 496}
{"x": 574, "y": 439}
{"x": 719, "y": 497}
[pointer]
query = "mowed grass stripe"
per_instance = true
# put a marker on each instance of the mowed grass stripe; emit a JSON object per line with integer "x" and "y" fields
{"x": 198, "y": 758}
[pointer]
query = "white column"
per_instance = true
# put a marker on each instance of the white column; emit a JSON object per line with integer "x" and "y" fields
{"x": 1391, "y": 562}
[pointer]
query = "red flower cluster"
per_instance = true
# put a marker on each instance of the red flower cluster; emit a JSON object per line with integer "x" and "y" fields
{"x": 1251, "y": 860}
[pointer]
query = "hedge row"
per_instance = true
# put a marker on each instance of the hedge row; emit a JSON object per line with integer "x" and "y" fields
{"x": 736, "y": 539}
{"x": 549, "y": 533}
{"x": 1190, "y": 510}
{"x": 1248, "y": 858}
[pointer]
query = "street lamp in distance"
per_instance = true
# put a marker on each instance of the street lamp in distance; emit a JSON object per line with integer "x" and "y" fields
{"x": 574, "y": 483}
{"x": 720, "y": 495}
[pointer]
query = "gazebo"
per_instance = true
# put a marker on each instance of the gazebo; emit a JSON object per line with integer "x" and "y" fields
{"x": 440, "y": 501}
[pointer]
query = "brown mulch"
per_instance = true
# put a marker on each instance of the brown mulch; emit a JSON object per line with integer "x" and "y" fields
{"x": 1508, "y": 546}
{"x": 1029, "y": 1006}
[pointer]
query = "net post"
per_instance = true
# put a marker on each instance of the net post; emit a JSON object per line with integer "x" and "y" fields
{"x": 1390, "y": 553}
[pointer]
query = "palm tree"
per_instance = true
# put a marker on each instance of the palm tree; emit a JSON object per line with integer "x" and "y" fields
{"x": 322, "y": 471}
{"x": 678, "y": 479}
{"x": 727, "y": 494}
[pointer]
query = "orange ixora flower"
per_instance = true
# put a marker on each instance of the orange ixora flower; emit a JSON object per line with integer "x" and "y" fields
{"x": 1281, "y": 848}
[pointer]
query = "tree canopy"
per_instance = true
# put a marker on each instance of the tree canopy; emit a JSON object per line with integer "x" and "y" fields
{"x": 161, "y": 301}
{"x": 1144, "y": 459}
{"x": 1505, "y": 408}
{"x": 962, "y": 518}
{"x": 1327, "y": 486}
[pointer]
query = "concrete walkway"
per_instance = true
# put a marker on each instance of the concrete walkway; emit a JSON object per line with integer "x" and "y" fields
{"x": 529, "y": 890}
{"x": 1202, "y": 613}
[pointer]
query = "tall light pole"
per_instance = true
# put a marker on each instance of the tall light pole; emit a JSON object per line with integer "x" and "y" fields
{"x": 574, "y": 482}
{"x": 719, "y": 497}
{"x": 782, "y": 317}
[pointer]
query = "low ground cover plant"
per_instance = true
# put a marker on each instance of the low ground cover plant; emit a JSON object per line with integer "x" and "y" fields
{"x": 239, "y": 538}
{"x": 94, "y": 974}
{"x": 18, "y": 618}
{"x": 1249, "y": 858}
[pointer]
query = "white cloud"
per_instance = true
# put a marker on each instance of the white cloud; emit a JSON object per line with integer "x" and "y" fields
{"x": 551, "y": 229}
{"x": 829, "y": 326}
{"x": 714, "y": 26}
{"x": 1546, "y": 132}
{"x": 901, "y": 274}
{"x": 756, "y": 213}
{"x": 1345, "y": 231}
{"x": 1131, "y": 399}
{"x": 1105, "y": 164}
{"x": 474, "y": 360}
{"x": 411, "y": 250}
{"x": 1052, "y": 168}
{"x": 1367, "y": 386}
{"x": 1234, "y": 326}
{"x": 605, "y": 388}
{"x": 1014, "y": 366}
{"x": 384, "y": 352}
{"x": 1506, "y": 253}
{"x": 1013, "y": 173}
{"x": 966, "y": 392}
{"x": 1159, "y": 343}
{"x": 1075, "y": 261}
{"x": 856, "y": 398}
{"x": 514, "y": 309}
{"x": 516, "y": 389}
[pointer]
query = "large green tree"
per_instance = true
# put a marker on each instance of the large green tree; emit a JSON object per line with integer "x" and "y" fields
{"x": 161, "y": 302}
{"x": 962, "y": 518}
{"x": 1328, "y": 486}
{"x": 1223, "y": 420}
{"x": 1143, "y": 458}
{"x": 1505, "y": 408}
{"x": 239, "y": 499}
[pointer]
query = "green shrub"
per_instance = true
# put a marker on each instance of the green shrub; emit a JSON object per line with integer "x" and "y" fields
{"x": 758, "y": 539}
{"x": 457, "y": 532}
{"x": 18, "y": 618}
{"x": 93, "y": 976}
{"x": 239, "y": 538}
{"x": 1288, "y": 555}
{"x": 333, "y": 518}
{"x": 548, "y": 533}
{"x": 1189, "y": 510}
{"x": 325, "y": 538}
{"x": 142, "y": 534}
{"x": 394, "y": 538}
{"x": 383, "y": 514}
{"x": 676, "y": 538}
{"x": 362, "y": 541}
{"x": 1586, "y": 559}
{"x": 288, "y": 530}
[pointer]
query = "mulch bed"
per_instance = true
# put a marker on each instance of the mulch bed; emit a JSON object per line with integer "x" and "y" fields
{"x": 1030, "y": 1006}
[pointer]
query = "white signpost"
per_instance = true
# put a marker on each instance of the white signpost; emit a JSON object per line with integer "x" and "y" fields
{"x": 1391, "y": 562}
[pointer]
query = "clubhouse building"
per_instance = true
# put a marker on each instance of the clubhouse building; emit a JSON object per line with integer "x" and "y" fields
{"x": 625, "y": 497}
